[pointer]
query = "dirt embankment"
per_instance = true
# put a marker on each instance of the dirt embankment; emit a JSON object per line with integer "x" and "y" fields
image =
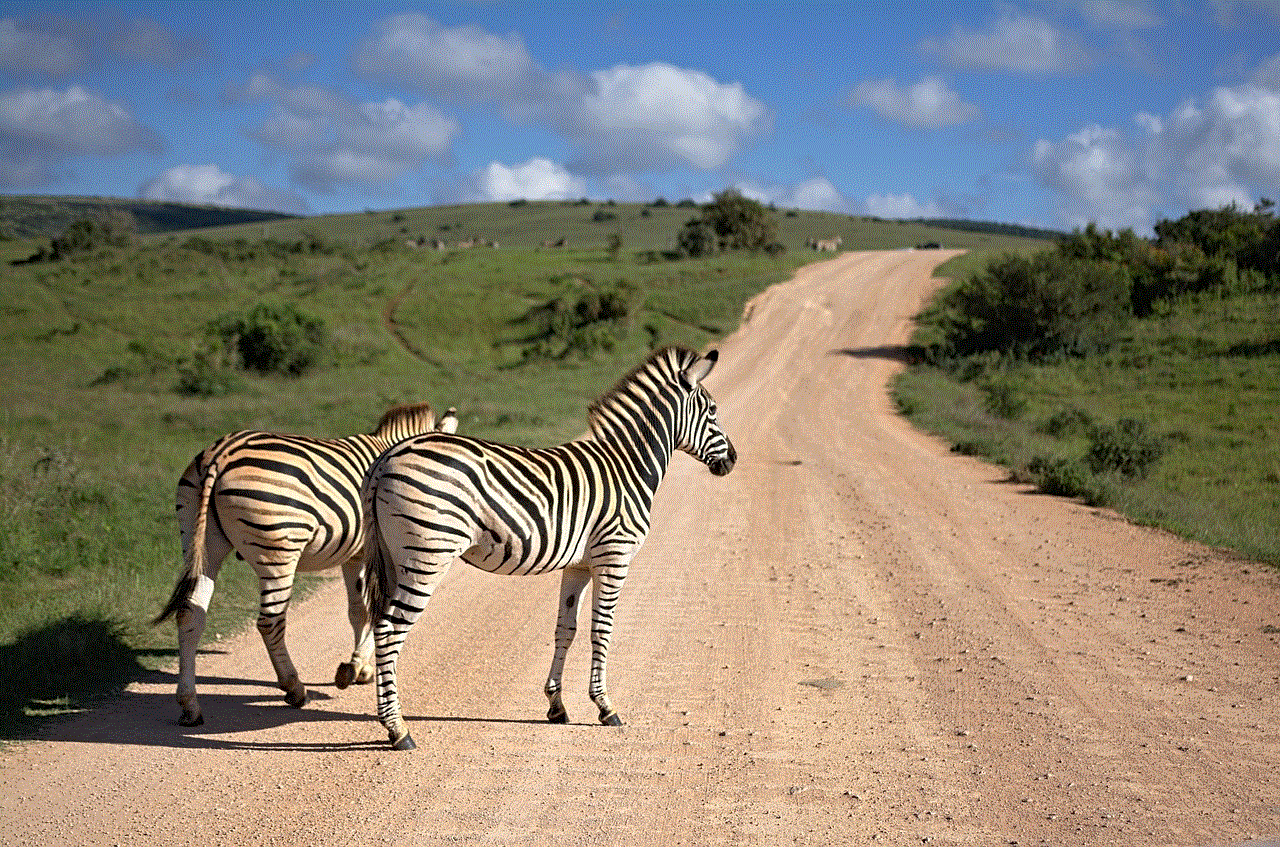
{"x": 855, "y": 637}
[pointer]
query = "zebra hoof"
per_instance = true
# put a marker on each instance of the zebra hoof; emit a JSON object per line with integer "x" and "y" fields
{"x": 405, "y": 743}
{"x": 345, "y": 675}
{"x": 555, "y": 715}
{"x": 611, "y": 719}
{"x": 191, "y": 719}
{"x": 297, "y": 699}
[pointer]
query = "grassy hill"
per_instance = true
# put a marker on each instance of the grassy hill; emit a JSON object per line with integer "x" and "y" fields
{"x": 23, "y": 216}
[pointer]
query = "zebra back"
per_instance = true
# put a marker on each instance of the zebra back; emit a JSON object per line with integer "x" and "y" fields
{"x": 264, "y": 490}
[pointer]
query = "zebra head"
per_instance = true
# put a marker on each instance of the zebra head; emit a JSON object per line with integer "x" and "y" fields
{"x": 698, "y": 433}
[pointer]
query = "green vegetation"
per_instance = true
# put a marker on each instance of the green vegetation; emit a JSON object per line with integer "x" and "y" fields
{"x": 730, "y": 222}
{"x": 124, "y": 357}
{"x": 1137, "y": 374}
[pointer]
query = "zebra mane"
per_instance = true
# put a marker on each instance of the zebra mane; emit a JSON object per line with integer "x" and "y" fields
{"x": 669, "y": 361}
{"x": 408, "y": 418}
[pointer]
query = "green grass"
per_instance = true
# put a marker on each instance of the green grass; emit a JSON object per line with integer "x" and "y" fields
{"x": 1203, "y": 374}
{"x": 95, "y": 437}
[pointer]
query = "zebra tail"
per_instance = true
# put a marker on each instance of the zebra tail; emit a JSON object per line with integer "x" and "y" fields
{"x": 379, "y": 571}
{"x": 193, "y": 566}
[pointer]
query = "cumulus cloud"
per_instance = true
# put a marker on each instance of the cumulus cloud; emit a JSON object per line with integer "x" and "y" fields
{"x": 27, "y": 49}
{"x": 1100, "y": 177}
{"x": 900, "y": 206}
{"x": 465, "y": 61}
{"x": 1016, "y": 42}
{"x": 42, "y": 129}
{"x": 816, "y": 194}
{"x": 209, "y": 184}
{"x": 1207, "y": 154}
{"x": 657, "y": 116}
{"x": 536, "y": 179}
{"x": 629, "y": 117}
{"x": 333, "y": 141}
{"x": 929, "y": 104}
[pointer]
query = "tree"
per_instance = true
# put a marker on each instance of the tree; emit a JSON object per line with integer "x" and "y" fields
{"x": 729, "y": 222}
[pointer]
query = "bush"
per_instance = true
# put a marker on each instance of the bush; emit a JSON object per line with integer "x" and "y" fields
{"x": 580, "y": 326}
{"x": 1004, "y": 396}
{"x": 272, "y": 338}
{"x": 729, "y": 222}
{"x": 201, "y": 376}
{"x": 1125, "y": 448}
{"x": 1033, "y": 309}
{"x": 1061, "y": 477}
{"x": 1067, "y": 422}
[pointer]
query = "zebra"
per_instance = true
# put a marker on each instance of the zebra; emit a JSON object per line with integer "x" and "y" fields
{"x": 582, "y": 507}
{"x": 283, "y": 503}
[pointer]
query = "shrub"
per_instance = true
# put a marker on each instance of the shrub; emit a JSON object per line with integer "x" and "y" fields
{"x": 1125, "y": 448}
{"x": 1034, "y": 308}
{"x": 729, "y": 222}
{"x": 1061, "y": 477}
{"x": 580, "y": 326}
{"x": 272, "y": 338}
{"x": 201, "y": 376}
{"x": 1067, "y": 422}
{"x": 1004, "y": 396}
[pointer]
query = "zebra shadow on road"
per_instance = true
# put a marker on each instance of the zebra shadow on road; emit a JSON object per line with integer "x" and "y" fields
{"x": 241, "y": 714}
{"x": 893, "y": 352}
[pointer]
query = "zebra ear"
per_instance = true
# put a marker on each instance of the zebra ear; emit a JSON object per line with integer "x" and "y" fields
{"x": 698, "y": 370}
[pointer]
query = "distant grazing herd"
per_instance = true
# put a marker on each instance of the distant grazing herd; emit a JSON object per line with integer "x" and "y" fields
{"x": 821, "y": 245}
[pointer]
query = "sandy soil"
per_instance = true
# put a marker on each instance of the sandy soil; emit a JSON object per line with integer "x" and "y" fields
{"x": 855, "y": 637}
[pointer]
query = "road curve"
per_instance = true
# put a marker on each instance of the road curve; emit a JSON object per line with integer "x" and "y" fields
{"x": 855, "y": 637}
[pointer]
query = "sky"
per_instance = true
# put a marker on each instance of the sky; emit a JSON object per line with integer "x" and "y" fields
{"x": 1049, "y": 114}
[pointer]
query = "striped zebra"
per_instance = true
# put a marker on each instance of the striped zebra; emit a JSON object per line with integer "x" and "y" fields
{"x": 582, "y": 507}
{"x": 283, "y": 503}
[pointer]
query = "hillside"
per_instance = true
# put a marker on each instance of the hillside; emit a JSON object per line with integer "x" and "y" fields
{"x": 581, "y": 224}
{"x": 23, "y": 216}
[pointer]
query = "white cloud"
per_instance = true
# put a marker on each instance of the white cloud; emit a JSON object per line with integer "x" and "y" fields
{"x": 1099, "y": 176}
{"x": 209, "y": 184}
{"x": 900, "y": 206}
{"x": 929, "y": 104}
{"x": 41, "y": 129}
{"x": 1202, "y": 155}
{"x": 657, "y": 116}
{"x": 28, "y": 50}
{"x": 536, "y": 179}
{"x": 448, "y": 62}
{"x": 334, "y": 141}
{"x": 816, "y": 194}
{"x": 1016, "y": 42}
{"x": 625, "y": 118}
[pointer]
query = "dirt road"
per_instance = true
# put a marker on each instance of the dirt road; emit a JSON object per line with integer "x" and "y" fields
{"x": 856, "y": 637}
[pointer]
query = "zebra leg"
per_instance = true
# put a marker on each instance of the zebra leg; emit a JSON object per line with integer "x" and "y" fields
{"x": 360, "y": 668}
{"x": 191, "y": 620}
{"x": 572, "y": 583}
{"x": 276, "y": 585}
{"x": 606, "y": 586}
{"x": 417, "y": 582}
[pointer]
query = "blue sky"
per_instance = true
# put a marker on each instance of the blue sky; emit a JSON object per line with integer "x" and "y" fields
{"x": 1050, "y": 113}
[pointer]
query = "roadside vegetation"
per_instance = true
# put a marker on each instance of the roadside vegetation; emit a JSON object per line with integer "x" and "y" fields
{"x": 128, "y": 347}
{"x": 1137, "y": 374}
